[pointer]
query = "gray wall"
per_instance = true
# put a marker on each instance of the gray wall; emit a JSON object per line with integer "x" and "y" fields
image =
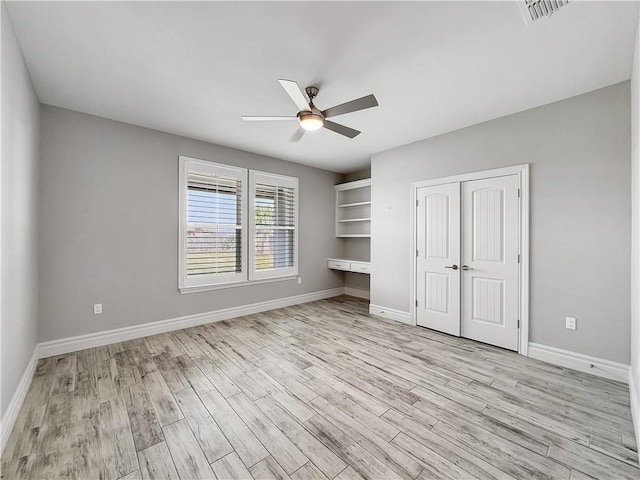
{"x": 20, "y": 141}
{"x": 109, "y": 229}
{"x": 579, "y": 152}
{"x": 635, "y": 220}
{"x": 357, "y": 249}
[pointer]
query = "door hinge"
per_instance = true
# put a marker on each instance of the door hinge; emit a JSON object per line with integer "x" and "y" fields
{"x": 518, "y": 193}
{"x": 417, "y": 253}
{"x": 518, "y": 323}
{"x": 416, "y": 203}
{"x": 416, "y": 303}
{"x": 518, "y": 258}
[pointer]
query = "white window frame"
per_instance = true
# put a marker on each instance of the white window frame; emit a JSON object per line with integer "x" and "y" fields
{"x": 278, "y": 181}
{"x": 192, "y": 283}
{"x": 248, "y": 274}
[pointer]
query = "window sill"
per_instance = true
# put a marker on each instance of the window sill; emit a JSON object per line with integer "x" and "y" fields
{"x": 246, "y": 283}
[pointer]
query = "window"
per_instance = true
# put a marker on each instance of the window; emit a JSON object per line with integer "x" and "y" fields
{"x": 274, "y": 226}
{"x": 212, "y": 223}
{"x": 236, "y": 226}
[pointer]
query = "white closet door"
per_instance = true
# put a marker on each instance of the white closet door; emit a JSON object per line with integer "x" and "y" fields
{"x": 438, "y": 253}
{"x": 490, "y": 226}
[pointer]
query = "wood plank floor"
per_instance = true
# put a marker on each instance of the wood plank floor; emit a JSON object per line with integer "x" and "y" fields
{"x": 317, "y": 391}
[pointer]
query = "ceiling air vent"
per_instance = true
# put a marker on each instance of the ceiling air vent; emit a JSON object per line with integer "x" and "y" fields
{"x": 536, "y": 9}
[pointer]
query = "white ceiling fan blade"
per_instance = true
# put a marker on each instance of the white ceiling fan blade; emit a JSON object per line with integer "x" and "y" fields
{"x": 341, "y": 129}
{"x": 297, "y": 135}
{"x": 262, "y": 119}
{"x": 295, "y": 93}
{"x": 352, "y": 106}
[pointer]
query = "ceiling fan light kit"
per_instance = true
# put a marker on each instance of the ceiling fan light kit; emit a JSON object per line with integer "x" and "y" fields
{"x": 311, "y": 118}
{"x": 311, "y": 121}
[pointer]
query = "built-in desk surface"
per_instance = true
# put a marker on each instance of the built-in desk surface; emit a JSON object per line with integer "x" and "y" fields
{"x": 348, "y": 265}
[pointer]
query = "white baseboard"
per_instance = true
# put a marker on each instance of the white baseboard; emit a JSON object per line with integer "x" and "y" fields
{"x": 91, "y": 340}
{"x": 356, "y": 292}
{"x": 634, "y": 397}
{"x": 391, "y": 313}
{"x": 11, "y": 413}
{"x": 578, "y": 361}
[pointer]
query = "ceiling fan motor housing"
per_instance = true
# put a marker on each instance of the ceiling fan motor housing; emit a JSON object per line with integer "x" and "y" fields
{"x": 311, "y": 92}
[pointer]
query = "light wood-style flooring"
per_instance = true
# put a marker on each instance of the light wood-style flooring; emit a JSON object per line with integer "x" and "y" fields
{"x": 317, "y": 391}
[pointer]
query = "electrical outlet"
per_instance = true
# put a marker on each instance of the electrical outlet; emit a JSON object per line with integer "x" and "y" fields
{"x": 570, "y": 323}
{"x": 299, "y": 280}
{"x": 97, "y": 308}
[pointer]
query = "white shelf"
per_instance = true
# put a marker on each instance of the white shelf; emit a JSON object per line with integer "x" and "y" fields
{"x": 356, "y": 204}
{"x": 368, "y": 219}
{"x": 353, "y": 209}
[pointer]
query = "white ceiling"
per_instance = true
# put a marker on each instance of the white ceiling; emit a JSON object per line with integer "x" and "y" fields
{"x": 194, "y": 68}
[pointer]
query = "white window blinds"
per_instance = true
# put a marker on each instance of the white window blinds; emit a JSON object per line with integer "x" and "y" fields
{"x": 274, "y": 215}
{"x": 214, "y": 223}
{"x": 214, "y": 227}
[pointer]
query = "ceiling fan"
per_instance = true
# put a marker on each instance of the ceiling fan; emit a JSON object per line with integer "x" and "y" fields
{"x": 311, "y": 118}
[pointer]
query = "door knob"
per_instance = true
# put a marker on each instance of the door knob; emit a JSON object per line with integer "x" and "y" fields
{"x": 465, "y": 267}
{"x": 452, "y": 267}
